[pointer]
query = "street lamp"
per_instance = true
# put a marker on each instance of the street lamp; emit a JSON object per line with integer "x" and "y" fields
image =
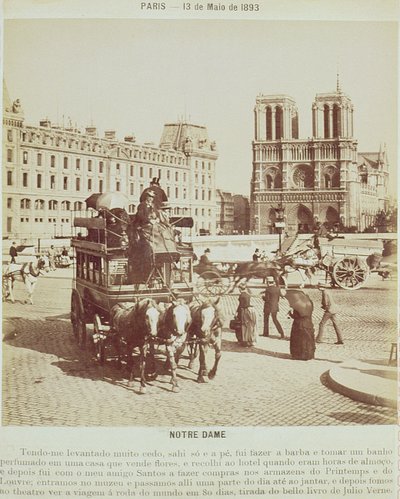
{"x": 279, "y": 222}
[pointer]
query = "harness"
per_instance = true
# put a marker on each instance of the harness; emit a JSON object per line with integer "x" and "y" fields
{"x": 24, "y": 271}
{"x": 196, "y": 332}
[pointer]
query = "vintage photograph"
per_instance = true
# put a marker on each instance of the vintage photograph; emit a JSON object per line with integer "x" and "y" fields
{"x": 199, "y": 223}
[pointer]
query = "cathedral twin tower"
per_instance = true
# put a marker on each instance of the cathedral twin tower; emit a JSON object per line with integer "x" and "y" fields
{"x": 276, "y": 117}
{"x": 313, "y": 179}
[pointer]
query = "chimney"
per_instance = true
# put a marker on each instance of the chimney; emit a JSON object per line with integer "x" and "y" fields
{"x": 130, "y": 138}
{"x": 45, "y": 123}
{"x": 91, "y": 130}
{"x": 109, "y": 134}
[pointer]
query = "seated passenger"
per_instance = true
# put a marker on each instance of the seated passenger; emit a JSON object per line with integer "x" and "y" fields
{"x": 159, "y": 194}
{"x": 204, "y": 262}
{"x": 117, "y": 220}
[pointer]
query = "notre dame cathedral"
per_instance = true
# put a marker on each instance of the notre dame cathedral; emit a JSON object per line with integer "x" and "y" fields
{"x": 319, "y": 179}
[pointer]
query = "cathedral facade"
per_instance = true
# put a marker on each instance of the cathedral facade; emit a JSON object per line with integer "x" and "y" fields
{"x": 319, "y": 179}
{"x": 49, "y": 170}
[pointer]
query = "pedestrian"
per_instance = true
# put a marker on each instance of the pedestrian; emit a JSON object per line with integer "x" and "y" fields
{"x": 302, "y": 342}
{"x": 271, "y": 297}
{"x": 13, "y": 252}
{"x": 330, "y": 310}
{"x": 248, "y": 318}
{"x": 64, "y": 257}
{"x": 256, "y": 255}
{"x": 51, "y": 254}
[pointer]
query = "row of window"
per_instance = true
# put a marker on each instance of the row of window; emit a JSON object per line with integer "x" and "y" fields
{"x": 203, "y": 195}
{"x": 90, "y": 186}
{"x": 40, "y": 220}
{"x": 85, "y": 145}
{"x": 65, "y": 182}
{"x": 203, "y": 212}
{"x": 39, "y": 204}
{"x": 78, "y": 164}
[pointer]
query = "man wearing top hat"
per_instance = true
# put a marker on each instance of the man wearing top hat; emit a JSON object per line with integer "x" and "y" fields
{"x": 256, "y": 255}
{"x": 271, "y": 297}
{"x": 159, "y": 194}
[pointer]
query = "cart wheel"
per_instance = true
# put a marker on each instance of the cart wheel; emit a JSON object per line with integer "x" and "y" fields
{"x": 211, "y": 283}
{"x": 350, "y": 273}
{"x": 77, "y": 320}
{"x": 99, "y": 340}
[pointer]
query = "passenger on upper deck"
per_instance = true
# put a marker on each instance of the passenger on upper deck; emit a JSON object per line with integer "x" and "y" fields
{"x": 159, "y": 194}
{"x": 146, "y": 212}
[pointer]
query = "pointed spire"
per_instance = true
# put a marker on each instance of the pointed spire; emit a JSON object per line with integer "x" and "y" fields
{"x": 338, "y": 89}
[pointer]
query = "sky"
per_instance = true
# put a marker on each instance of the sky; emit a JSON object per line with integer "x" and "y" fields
{"x": 133, "y": 76}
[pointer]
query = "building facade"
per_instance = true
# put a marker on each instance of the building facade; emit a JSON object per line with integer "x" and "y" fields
{"x": 241, "y": 209}
{"x": 322, "y": 178}
{"x": 49, "y": 171}
{"x": 225, "y": 212}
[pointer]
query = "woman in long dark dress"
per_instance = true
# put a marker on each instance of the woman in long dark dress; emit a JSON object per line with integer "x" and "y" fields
{"x": 302, "y": 342}
{"x": 248, "y": 318}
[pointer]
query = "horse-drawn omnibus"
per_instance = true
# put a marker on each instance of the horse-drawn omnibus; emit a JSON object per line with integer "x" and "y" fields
{"x": 107, "y": 273}
{"x": 133, "y": 282}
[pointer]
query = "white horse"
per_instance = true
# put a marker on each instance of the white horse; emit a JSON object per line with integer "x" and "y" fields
{"x": 27, "y": 272}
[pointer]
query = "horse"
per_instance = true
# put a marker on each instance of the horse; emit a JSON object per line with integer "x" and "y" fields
{"x": 205, "y": 330}
{"x": 376, "y": 263}
{"x": 303, "y": 263}
{"x": 136, "y": 324}
{"x": 172, "y": 330}
{"x": 27, "y": 272}
{"x": 262, "y": 270}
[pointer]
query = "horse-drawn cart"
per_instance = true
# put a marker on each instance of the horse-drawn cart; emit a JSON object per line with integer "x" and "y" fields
{"x": 349, "y": 261}
{"x": 346, "y": 262}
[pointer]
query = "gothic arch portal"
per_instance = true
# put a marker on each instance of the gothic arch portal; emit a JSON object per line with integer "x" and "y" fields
{"x": 299, "y": 218}
{"x": 332, "y": 216}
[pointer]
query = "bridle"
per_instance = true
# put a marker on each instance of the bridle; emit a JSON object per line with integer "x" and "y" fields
{"x": 215, "y": 323}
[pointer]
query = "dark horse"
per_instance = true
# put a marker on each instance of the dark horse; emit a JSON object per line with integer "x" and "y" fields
{"x": 172, "y": 330}
{"x": 205, "y": 330}
{"x": 136, "y": 324}
{"x": 261, "y": 270}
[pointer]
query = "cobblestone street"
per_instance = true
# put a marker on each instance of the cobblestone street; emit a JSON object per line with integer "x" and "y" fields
{"x": 48, "y": 381}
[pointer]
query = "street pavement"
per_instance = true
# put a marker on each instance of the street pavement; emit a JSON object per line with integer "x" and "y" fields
{"x": 49, "y": 381}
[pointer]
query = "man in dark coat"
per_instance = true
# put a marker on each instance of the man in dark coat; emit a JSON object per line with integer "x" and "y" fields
{"x": 330, "y": 310}
{"x": 256, "y": 255}
{"x": 13, "y": 253}
{"x": 204, "y": 260}
{"x": 159, "y": 194}
{"x": 271, "y": 307}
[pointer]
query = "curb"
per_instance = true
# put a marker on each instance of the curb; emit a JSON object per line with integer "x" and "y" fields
{"x": 349, "y": 380}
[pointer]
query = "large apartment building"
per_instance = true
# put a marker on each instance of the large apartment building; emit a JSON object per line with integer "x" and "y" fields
{"x": 49, "y": 171}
